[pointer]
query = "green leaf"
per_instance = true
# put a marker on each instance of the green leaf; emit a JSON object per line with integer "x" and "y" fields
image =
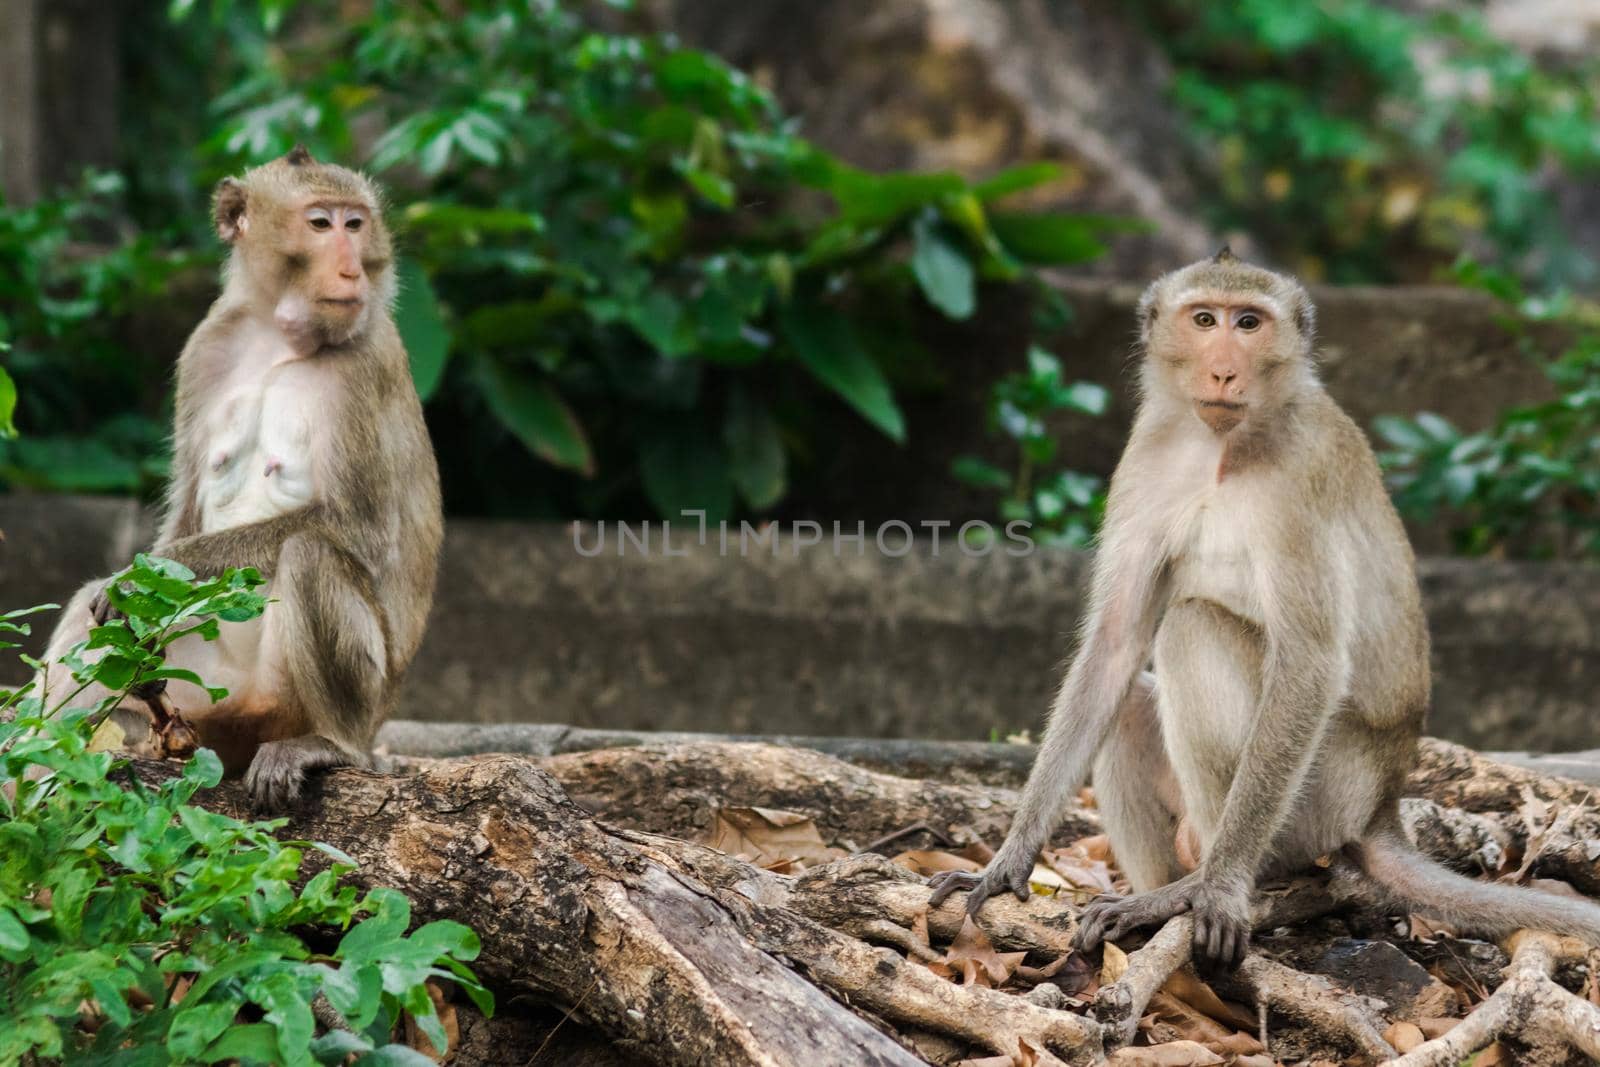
{"x": 1049, "y": 239}
{"x": 422, "y": 328}
{"x": 685, "y": 469}
{"x": 395, "y": 1056}
{"x": 13, "y": 935}
{"x": 942, "y": 270}
{"x": 1086, "y": 397}
{"x": 979, "y": 473}
{"x": 8, "y": 405}
{"x": 1015, "y": 179}
{"x": 536, "y": 414}
{"x": 757, "y": 459}
{"x": 194, "y": 1028}
{"x": 1401, "y": 432}
{"x": 868, "y": 199}
{"x": 252, "y": 1041}
{"x": 826, "y": 343}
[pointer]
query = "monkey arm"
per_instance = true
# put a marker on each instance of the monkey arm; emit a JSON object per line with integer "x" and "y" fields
{"x": 1125, "y": 605}
{"x": 1301, "y": 679}
{"x": 254, "y": 544}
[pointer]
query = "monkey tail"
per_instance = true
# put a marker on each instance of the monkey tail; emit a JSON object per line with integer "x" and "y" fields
{"x": 1471, "y": 906}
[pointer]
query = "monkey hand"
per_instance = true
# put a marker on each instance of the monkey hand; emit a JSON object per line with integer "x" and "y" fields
{"x": 1221, "y": 917}
{"x": 102, "y": 610}
{"x": 1002, "y": 875}
{"x": 1221, "y": 923}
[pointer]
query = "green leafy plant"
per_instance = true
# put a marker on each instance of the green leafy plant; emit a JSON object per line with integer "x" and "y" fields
{"x": 1530, "y": 484}
{"x": 139, "y": 928}
{"x": 69, "y": 281}
{"x": 1061, "y": 506}
{"x": 1369, "y": 141}
{"x": 629, "y": 284}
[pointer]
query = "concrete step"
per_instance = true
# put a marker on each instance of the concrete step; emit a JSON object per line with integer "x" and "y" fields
{"x": 819, "y": 642}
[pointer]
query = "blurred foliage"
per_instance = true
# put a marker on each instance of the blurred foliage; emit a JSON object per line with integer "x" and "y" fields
{"x": 1530, "y": 485}
{"x": 630, "y": 283}
{"x": 1062, "y": 507}
{"x": 1364, "y": 142}
{"x": 94, "y": 405}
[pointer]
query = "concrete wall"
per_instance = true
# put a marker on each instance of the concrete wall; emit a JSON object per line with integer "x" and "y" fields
{"x": 527, "y": 629}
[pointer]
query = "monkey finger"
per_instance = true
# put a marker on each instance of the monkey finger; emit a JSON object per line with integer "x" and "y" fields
{"x": 947, "y": 882}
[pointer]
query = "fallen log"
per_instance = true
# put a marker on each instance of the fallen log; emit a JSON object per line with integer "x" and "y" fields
{"x": 660, "y": 949}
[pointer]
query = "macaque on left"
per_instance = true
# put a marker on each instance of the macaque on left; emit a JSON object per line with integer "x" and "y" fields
{"x": 299, "y": 449}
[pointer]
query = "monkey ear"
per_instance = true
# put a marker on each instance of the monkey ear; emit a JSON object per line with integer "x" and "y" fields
{"x": 1305, "y": 320}
{"x": 298, "y": 156}
{"x": 227, "y": 209}
{"x": 1225, "y": 255}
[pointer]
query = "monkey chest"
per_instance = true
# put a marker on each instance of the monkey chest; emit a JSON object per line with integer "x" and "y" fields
{"x": 1215, "y": 556}
{"x": 260, "y": 449}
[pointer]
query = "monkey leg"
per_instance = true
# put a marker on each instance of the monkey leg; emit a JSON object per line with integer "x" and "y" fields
{"x": 1208, "y": 688}
{"x": 60, "y": 691}
{"x": 1137, "y": 792}
{"x": 326, "y": 633}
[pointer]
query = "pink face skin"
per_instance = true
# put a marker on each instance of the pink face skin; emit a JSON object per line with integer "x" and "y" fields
{"x": 1228, "y": 343}
{"x": 328, "y": 302}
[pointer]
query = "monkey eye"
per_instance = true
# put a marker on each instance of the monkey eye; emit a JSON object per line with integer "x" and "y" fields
{"x": 1249, "y": 321}
{"x": 320, "y": 222}
{"x": 1204, "y": 319}
{"x": 353, "y": 223}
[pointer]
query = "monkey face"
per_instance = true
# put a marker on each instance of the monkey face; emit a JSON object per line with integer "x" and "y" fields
{"x": 326, "y": 294}
{"x": 1222, "y": 338}
{"x": 310, "y": 245}
{"x": 1226, "y": 345}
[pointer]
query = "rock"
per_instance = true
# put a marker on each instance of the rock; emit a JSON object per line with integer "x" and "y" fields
{"x": 1379, "y": 969}
{"x": 945, "y": 646}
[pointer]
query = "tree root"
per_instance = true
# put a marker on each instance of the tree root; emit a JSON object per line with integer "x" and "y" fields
{"x": 672, "y": 952}
{"x": 1528, "y": 1006}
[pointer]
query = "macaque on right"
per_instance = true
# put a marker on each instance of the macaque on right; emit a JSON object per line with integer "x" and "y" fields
{"x": 1251, "y": 557}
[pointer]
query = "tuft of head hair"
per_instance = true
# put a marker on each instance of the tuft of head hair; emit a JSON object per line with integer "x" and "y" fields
{"x": 274, "y": 187}
{"x": 1224, "y": 278}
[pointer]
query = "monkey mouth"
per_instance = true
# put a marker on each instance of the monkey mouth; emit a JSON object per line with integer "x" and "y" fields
{"x": 1223, "y": 405}
{"x": 347, "y": 302}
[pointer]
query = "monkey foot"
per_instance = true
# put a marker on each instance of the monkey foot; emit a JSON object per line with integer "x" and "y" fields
{"x": 175, "y": 738}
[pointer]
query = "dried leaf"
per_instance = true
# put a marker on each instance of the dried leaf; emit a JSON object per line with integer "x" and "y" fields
{"x": 1404, "y": 1036}
{"x": 1426, "y": 929}
{"x": 928, "y": 861}
{"x": 977, "y": 852}
{"x": 446, "y": 1011}
{"x": 1436, "y": 1026}
{"x": 767, "y": 837}
{"x": 1171, "y": 1054}
{"x": 1191, "y": 1025}
{"x": 1113, "y": 964}
{"x": 1026, "y": 1056}
{"x": 1094, "y": 847}
{"x": 1184, "y": 985}
{"x": 1495, "y": 1055}
{"x": 108, "y": 737}
{"x": 919, "y": 927}
{"x": 1072, "y": 973}
{"x": 972, "y": 955}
